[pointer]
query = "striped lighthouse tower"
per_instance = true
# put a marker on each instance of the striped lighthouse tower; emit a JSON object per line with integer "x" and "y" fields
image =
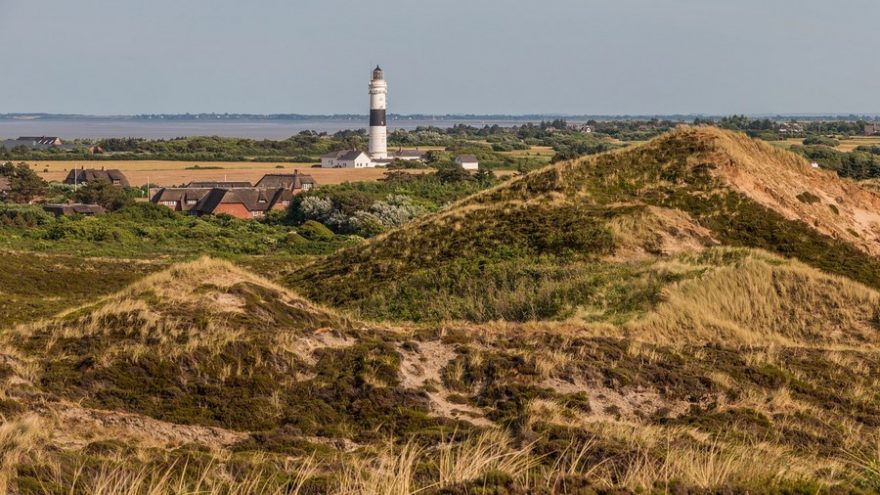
{"x": 378, "y": 131}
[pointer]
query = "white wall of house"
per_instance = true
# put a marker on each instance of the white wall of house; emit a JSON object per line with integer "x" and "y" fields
{"x": 361, "y": 161}
{"x": 468, "y": 164}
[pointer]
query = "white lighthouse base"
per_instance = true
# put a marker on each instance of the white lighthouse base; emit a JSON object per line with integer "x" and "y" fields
{"x": 378, "y": 143}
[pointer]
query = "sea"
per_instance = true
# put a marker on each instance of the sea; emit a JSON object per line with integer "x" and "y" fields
{"x": 92, "y": 128}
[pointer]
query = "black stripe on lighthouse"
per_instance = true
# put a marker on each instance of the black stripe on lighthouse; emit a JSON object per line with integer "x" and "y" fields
{"x": 377, "y": 118}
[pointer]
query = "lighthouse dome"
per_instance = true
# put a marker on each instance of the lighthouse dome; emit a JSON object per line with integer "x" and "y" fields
{"x": 378, "y": 74}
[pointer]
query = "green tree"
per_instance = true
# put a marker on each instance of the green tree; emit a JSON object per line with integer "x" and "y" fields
{"x": 103, "y": 193}
{"x": 24, "y": 184}
{"x": 448, "y": 175}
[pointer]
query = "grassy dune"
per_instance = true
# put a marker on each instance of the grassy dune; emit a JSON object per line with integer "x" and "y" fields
{"x": 652, "y": 320}
{"x": 205, "y": 378}
{"x": 548, "y": 236}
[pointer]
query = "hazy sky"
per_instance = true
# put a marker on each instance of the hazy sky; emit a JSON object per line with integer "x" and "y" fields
{"x": 440, "y": 56}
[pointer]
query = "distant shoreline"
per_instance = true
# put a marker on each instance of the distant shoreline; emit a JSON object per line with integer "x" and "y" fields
{"x": 237, "y": 117}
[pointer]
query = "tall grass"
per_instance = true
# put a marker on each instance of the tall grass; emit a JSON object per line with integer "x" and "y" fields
{"x": 487, "y": 452}
{"x": 17, "y": 438}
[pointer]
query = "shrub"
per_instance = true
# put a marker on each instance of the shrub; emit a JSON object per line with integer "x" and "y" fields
{"x": 315, "y": 231}
{"x": 396, "y": 210}
{"x": 808, "y": 198}
{"x": 311, "y": 208}
{"x": 25, "y": 185}
{"x": 28, "y": 216}
{"x": 146, "y": 211}
{"x": 366, "y": 224}
{"x": 821, "y": 141}
{"x": 103, "y": 193}
{"x": 294, "y": 239}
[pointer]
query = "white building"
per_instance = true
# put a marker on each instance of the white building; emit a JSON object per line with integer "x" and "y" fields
{"x": 346, "y": 159}
{"x": 378, "y": 130}
{"x": 467, "y": 162}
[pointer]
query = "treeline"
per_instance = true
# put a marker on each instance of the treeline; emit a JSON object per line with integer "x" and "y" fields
{"x": 304, "y": 147}
{"x": 491, "y": 144}
{"x": 772, "y": 130}
{"x": 496, "y": 147}
{"x": 860, "y": 164}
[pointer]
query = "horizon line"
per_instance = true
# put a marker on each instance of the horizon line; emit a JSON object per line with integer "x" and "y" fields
{"x": 429, "y": 116}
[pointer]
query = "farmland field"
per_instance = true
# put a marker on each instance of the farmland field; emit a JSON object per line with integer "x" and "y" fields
{"x": 170, "y": 173}
{"x": 546, "y": 151}
{"x": 846, "y": 144}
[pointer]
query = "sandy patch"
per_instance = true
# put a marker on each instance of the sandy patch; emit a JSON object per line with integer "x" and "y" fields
{"x": 418, "y": 367}
{"x": 658, "y": 231}
{"x": 611, "y": 404}
{"x": 76, "y": 427}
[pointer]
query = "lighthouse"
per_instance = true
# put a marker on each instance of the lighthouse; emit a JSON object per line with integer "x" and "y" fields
{"x": 378, "y": 132}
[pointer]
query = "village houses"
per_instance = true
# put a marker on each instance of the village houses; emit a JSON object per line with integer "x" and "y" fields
{"x": 82, "y": 176}
{"x": 238, "y": 199}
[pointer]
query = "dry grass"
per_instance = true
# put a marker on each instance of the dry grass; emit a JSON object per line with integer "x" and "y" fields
{"x": 759, "y": 301}
{"x": 389, "y": 473}
{"x": 657, "y": 231}
{"x": 661, "y": 456}
{"x": 17, "y": 438}
{"x": 151, "y": 310}
{"x": 490, "y": 451}
{"x": 774, "y": 178}
{"x": 171, "y": 173}
{"x": 543, "y": 151}
{"x": 854, "y": 142}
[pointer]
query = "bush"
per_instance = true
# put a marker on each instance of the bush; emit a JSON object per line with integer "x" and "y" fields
{"x": 103, "y": 193}
{"x": 821, "y": 141}
{"x": 366, "y": 224}
{"x": 24, "y": 184}
{"x": 315, "y": 231}
{"x": 448, "y": 175}
{"x": 395, "y": 211}
{"x": 808, "y": 198}
{"x": 294, "y": 239}
{"x": 146, "y": 211}
{"x": 28, "y": 216}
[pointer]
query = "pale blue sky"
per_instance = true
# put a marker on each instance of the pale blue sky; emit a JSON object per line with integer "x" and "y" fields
{"x": 441, "y": 56}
